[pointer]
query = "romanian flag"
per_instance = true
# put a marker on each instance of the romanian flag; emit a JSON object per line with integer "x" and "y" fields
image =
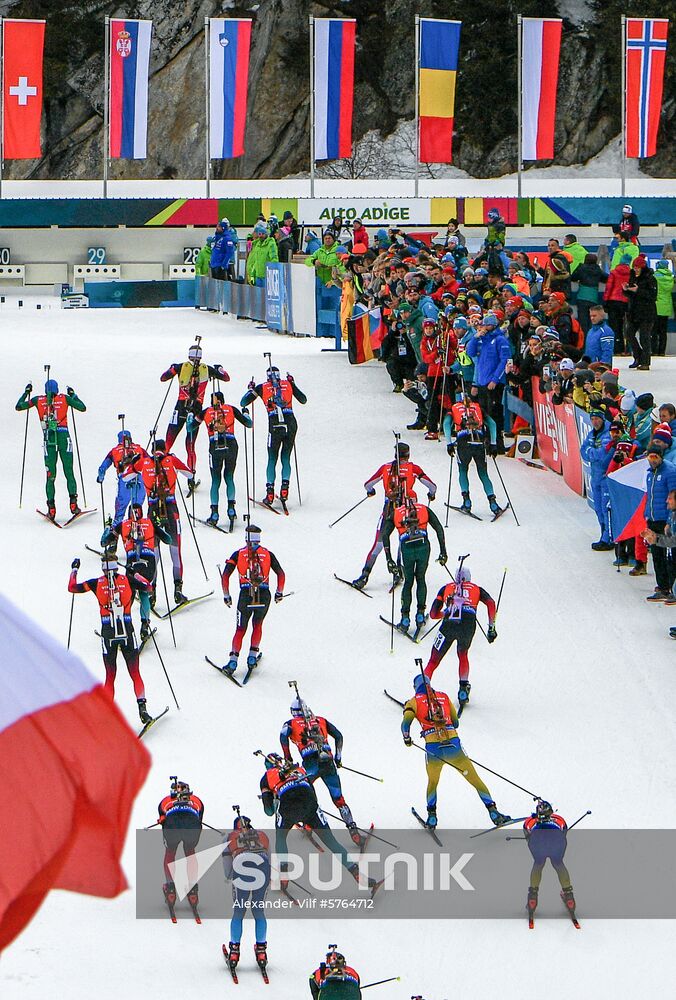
{"x": 437, "y": 69}
{"x": 365, "y": 334}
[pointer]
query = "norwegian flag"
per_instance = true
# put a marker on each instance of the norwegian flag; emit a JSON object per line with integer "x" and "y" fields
{"x": 645, "y": 53}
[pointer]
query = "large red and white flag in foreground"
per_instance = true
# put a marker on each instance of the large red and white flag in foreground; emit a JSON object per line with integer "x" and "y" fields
{"x": 540, "y": 47}
{"x": 71, "y": 768}
{"x": 22, "y": 45}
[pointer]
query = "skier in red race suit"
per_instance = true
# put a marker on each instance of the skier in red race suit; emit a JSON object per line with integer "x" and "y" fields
{"x": 180, "y": 815}
{"x": 253, "y": 563}
{"x": 192, "y": 385}
{"x": 115, "y": 596}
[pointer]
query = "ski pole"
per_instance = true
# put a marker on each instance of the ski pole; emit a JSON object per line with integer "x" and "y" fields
{"x": 584, "y": 814}
{"x": 157, "y": 418}
{"x": 369, "y": 832}
{"x": 192, "y": 531}
{"x": 354, "y": 507}
{"x": 477, "y": 764}
{"x": 482, "y": 833}
{"x": 295, "y": 462}
{"x": 502, "y": 482}
{"x": 23, "y": 460}
{"x": 392, "y": 616}
{"x": 246, "y": 471}
{"x": 392, "y": 979}
{"x": 253, "y": 446}
{"x": 103, "y": 506}
{"x": 166, "y": 595}
{"x": 497, "y": 604}
{"x": 79, "y": 463}
{"x": 448, "y": 498}
{"x": 362, "y": 773}
{"x": 70, "y": 623}
{"x": 157, "y": 650}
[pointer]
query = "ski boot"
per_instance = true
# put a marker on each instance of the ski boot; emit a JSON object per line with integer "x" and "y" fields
{"x": 463, "y": 693}
{"x": 420, "y": 618}
{"x": 232, "y": 513}
{"x": 233, "y": 955}
{"x": 143, "y": 711}
{"x": 213, "y": 517}
{"x": 362, "y": 580}
{"x": 568, "y": 899}
{"x": 231, "y": 665}
{"x": 269, "y": 498}
{"x": 252, "y": 658}
{"x": 74, "y": 509}
{"x": 497, "y": 818}
{"x": 432, "y": 436}
{"x": 193, "y": 895}
{"x": 639, "y": 569}
{"x": 179, "y": 597}
{"x": 417, "y": 425}
{"x": 261, "y": 953}
{"x": 169, "y": 890}
{"x": 602, "y": 546}
{"x": 532, "y": 901}
{"x": 348, "y": 820}
{"x": 192, "y": 485}
{"x": 494, "y": 505}
{"x": 466, "y": 502}
{"x": 284, "y": 490}
{"x": 51, "y": 511}
{"x": 405, "y": 623}
{"x": 145, "y": 629}
{"x": 431, "y": 820}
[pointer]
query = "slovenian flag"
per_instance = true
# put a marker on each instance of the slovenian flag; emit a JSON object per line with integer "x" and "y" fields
{"x": 229, "y": 46}
{"x": 439, "y": 47}
{"x": 646, "y": 52}
{"x": 540, "y": 47}
{"x": 71, "y": 768}
{"x": 627, "y": 490}
{"x": 128, "y": 98}
{"x": 334, "y": 41}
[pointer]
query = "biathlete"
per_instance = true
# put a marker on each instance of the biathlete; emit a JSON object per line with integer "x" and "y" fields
{"x": 130, "y": 488}
{"x": 546, "y": 833}
{"x": 180, "y": 816}
{"x": 246, "y": 863}
{"x": 412, "y": 520}
{"x": 219, "y": 419}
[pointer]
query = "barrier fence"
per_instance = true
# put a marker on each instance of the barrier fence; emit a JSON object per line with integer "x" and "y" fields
{"x": 560, "y": 431}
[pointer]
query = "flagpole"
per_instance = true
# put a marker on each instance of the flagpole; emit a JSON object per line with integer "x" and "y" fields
{"x": 624, "y": 104}
{"x": 519, "y": 116}
{"x": 207, "y": 105}
{"x": 312, "y": 106}
{"x": 106, "y": 107}
{"x": 417, "y": 101}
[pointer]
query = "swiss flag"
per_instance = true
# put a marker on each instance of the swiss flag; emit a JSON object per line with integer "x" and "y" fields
{"x": 22, "y": 45}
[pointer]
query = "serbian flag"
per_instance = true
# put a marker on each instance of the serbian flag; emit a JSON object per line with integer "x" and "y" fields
{"x": 334, "y": 87}
{"x": 71, "y": 768}
{"x": 22, "y": 45}
{"x": 437, "y": 70}
{"x": 627, "y": 491}
{"x": 365, "y": 334}
{"x": 540, "y": 47}
{"x": 128, "y": 99}
{"x": 646, "y": 52}
{"x": 229, "y": 45}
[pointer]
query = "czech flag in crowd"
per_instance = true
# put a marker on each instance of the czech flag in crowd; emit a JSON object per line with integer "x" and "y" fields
{"x": 128, "y": 72}
{"x": 71, "y": 767}
{"x": 646, "y": 51}
{"x": 229, "y": 45}
{"x": 438, "y": 67}
{"x": 334, "y": 42}
{"x": 22, "y": 46}
{"x": 627, "y": 489}
{"x": 365, "y": 334}
{"x": 540, "y": 47}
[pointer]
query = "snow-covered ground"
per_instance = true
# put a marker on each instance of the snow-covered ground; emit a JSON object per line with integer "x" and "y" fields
{"x": 574, "y": 698}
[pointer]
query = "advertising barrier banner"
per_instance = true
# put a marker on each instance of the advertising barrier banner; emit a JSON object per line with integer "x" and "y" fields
{"x": 560, "y": 430}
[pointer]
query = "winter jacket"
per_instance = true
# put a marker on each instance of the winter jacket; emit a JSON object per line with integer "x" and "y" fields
{"x": 389, "y": 349}
{"x": 285, "y": 246}
{"x": 328, "y": 259}
{"x": 618, "y": 276}
{"x": 642, "y": 295}
{"x": 665, "y": 288}
{"x": 628, "y": 225}
{"x": 622, "y": 248}
{"x": 659, "y": 483}
{"x": 578, "y": 253}
{"x": 263, "y": 251}
{"x": 600, "y": 343}
{"x": 640, "y": 426}
{"x": 589, "y": 276}
{"x": 360, "y": 235}
{"x": 490, "y": 352}
{"x": 223, "y": 250}
{"x": 557, "y": 278}
{"x": 496, "y": 232}
{"x": 413, "y": 324}
{"x": 203, "y": 259}
{"x": 598, "y": 451}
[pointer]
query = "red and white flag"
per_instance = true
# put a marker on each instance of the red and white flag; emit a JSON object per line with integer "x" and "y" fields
{"x": 22, "y": 45}
{"x": 71, "y": 768}
{"x": 540, "y": 47}
{"x": 646, "y": 53}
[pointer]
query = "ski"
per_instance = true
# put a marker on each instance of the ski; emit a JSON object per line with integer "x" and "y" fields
{"x": 350, "y": 584}
{"x": 192, "y": 486}
{"x": 232, "y": 525}
{"x": 392, "y": 698}
{"x": 424, "y": 825}
{"x": 375, "y": 887}
{"x": 399, "y": 630}
{"x": 232, "y": 969}
{"x": 152, "y": 722}
{"x": 531, "y": 922}
{"x": 364, "y": 843}
{"x": 76, "y": 517}
{"x": 48, "y": 518}
{"x": 394, "y": 584}
{"x": 144, "y": 642}
{"x": 223, "y": 672}
{"x": 283, "y": 503}
{"x": 285, "y": 892}
{"x": 171, "y": 908}
{"x": 266, "y": 506}
{"x": 418, "y": 630}
{"x": 462, "y": 510}
{"x": 571, "y": 912}
{"x": 500, "y": 512}
{"x": 179, "y": 607}
{"x": 532, "y": 465}
{"x": 97, "y": 552}
{"x": 193, "y": 907}
{"x": 216, "y": 527}
{"x": 509, "y": 822}
{"x": 250, "y": 669}
{"x": 313, "y": 840}
{"x": 262, "y": 963}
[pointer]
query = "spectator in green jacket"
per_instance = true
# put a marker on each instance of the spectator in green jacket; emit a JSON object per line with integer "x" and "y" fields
{"x": 263, "y": 251}
{"x": 412, "y": 317}
{"x": 624, "y": 246}
{"x": 576, "y": 251}
{"x": 325, "y": 259}
{"x": 665, "y": 306}
{"x": 203, "y": 258}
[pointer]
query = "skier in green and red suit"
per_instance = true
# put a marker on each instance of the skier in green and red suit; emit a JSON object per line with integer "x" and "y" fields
{"x": 53, "y": 415}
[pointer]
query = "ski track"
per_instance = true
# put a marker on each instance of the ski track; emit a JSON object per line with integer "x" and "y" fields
{"x": 580, "y": 662}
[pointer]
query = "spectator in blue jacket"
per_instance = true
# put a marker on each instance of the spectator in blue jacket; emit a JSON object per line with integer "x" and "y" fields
{"x": 660, "y": 481}
{"x": 223, "y": 251}
{"x": 490, "y": 349}
{"x": 640, "y": 424}
{"x": 598, "y": 450}
{"x": 600, "y": 340}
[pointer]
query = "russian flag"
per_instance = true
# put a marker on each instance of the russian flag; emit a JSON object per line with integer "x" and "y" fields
{"x": 229, "y": 45}
{"x": 334, "y": 87}
{"x": 72, "y": 767}
{"x": 540, "y": 47}
{"x": 646, "y": 52}
{"x": 128, "y": 97}
{"x": 627, "y": 489}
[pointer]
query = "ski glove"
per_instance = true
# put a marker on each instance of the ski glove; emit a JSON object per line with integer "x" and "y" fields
{"x": 337, "y": 761}
{"x": 227, "y": 600}
{"x": 408, "y": 741}
{"x": 431, "y": 496}
{"x": 370, "y": 493}
{"x": 29, "y": 388}
{"x": 491, "y": 635}
{"x": 278, "y": 596}
{"x": 492, "y": 449}
{"x": 70, "y": 390}
{"x": 450, "y": 448}
{"x": 443, "y": 559}
{"x": 391, "y": 566}
{"x": 75, "y": 564}
{"x": 99, "y": 479}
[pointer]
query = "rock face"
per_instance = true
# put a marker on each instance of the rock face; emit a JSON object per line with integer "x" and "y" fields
{"x": 277, "y": 129}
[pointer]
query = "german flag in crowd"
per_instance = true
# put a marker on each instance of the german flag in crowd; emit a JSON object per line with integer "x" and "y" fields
{"x": 365, "y": 334}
